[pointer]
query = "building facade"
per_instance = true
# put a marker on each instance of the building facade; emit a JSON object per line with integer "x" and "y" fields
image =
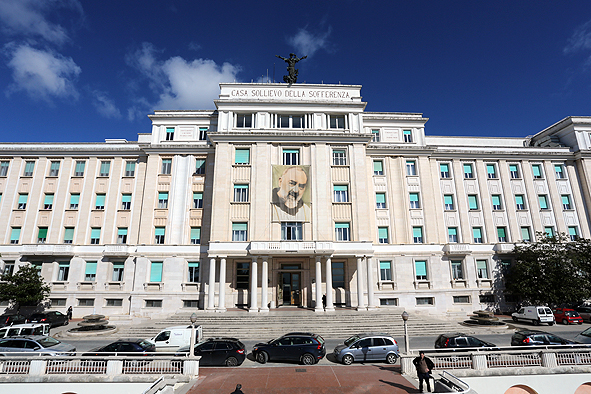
{"x": 288, "y": 195}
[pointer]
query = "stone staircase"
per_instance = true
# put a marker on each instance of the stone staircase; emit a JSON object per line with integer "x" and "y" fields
{"x": 264, "y": 326}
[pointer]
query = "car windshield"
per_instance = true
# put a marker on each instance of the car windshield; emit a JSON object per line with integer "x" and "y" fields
{"x": 548, "y": 311}
{"x": 572, "y": 313}
{"x": 319, "y": 339}
{"x": 145, "y": 344}
{"x": 352, "y": 340}
{"x": 48, "y": 342}
{"x": 586, "y": 333}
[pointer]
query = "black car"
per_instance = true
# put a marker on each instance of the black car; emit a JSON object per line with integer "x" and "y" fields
{"x": 218, "y": 351}
{"x": 306, "y": 348}
{"x": 9, "y": 320}
{"x": 54, "y": 318}
{"x": 537, "y": 338}
{"x": 123, "y": 346}
{"x": 459, "y": 340}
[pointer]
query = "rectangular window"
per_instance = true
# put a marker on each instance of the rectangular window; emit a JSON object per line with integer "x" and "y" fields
{"x": 452, "y": 234}
{"x": 375, "y": 135}
{"x": 63, "y": 271}
{"x": 85, "y": 301}
{"x": 162, "y": 200}
{"x": 444, "y": 170}
{"x": 461, "y": 299}
{"x": 514, "y": 171}
{"x": 126, "y": 202}
{"x": 29, "y": 168}
{"x": 559, "y": 171}
{"x": 195, "y": 235}
{"x": 468, "y": 174}
{"x": 74, "y": 200}
{"x": 4, "y": 168}
{"x": 105, "y": 168}
{"x": 69, "y": 235}
{"x": 100, "y": 201}
{"x": 525, "y": 234}
{"x": 197, "y": 200}
{"x": 169, "y": 133}
{"x": 448, "y": 202}
{"x": 193, "y": 275}
{"x": 566, "y": 202}
{"x": 482, "y": 269}
{"x": 425, "y": 301}
{"x": 380, "y": 200}
{"x": 491, "y": 171}
{"x": 244, "y": 120}
{"x": 190, "y": 303}
{"x": 22, "y": 201}
{"x": 496, "y": 202}
{"x": 79, "y": 170}
{"x": 385, "y": 270}
{"x": 200, "y": 166}
{"x": 378, "y": 167}
{"x": 411, "y": 167}
{"x": 341, "y": 193}
{"x": 242, "y": 156}
{"x": 118, "y": 268}
{"x": 15, "y": 235}
{"x": 573, "y": 233}
{"x": 42, "y": 235}
{"x": 342, "y": 232}
{"x": 57, "y": 302}
{"x": 122, "y": 235}
{"x": 156, "y": 271}
{"x": 291, "y": 157}
{"x": 473, "y": 202}
{"x": 159, "y": 233}
{"x": 388, "y": 301}
{"x": 166, "y": 166}
{"x": 457, "y": 270}
{"x": 338, "y": 275}
{"x": 407, "y": 135}
{"x": 519, "y": 202}
{"x": 383, "y": 235}
{"x": 95, "y": 236}
{"x": 153, "y": 303}
{"x": 291, "y": 231}
{"x": 54, "y": 169}
{"x": 239, "y": 232}
{"x": 502, "y": 234}
{"x": 114, "y": 302}
{"x": 537, "y": 171}
{"x": 543, "y": 199}
{"x": 337, "y": 121}
{"x": 242, "y": 275}
{"x": 477, "y": 235}
{"x": 549, "y": 231}
{"x": 48, "y": 203}
{"x": 130, "y": 168}
{"x": 202, "y": 133}
{"x": 421, "y": 270}
{"x": 417, "y": 235}
{"x": 240, "y": 193}
{"x": 414, "y": 200}
{"x": 90, "y": 273}
{"x": 339, "y": 157}
{"x": 486, "y": 298}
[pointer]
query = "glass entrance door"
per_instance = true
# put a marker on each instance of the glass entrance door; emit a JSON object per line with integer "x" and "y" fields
{"x": 290, "y": 286}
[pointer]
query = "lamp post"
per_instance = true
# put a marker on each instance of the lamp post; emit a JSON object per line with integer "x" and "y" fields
{"x": 192, "y": 346}
{"x": 406, "y": 343}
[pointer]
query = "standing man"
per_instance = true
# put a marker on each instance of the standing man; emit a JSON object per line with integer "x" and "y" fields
{"x": 424, "y": 366}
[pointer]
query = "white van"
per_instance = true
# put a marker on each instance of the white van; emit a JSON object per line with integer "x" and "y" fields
{"x": 25, "y": 329}
{"x": 535, "y": 314}
{"x": 171, "y": 338}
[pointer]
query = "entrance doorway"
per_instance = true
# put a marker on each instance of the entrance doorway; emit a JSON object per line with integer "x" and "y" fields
{"x": 290, "y": 288}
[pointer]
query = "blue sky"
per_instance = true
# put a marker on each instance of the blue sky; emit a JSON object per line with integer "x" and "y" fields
{"x": 85, "y": 71}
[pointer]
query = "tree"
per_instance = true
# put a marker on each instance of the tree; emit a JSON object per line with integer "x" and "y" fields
{"x": 24, "y": 288}
{"x": 552, "y": 271}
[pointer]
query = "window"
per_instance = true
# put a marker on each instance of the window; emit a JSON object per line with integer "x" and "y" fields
{"x": 559, "y": 171}
{"x": 291, "y": 157}
{"x": 519, "y": 202}
{"x": 8, "y": 268}
{"x": 4, "y": 168}
{"x": 341, "y": 193}
{"x": 166, "y": 166}
{"x": 90, "y": 274}
{"x": 242, "y": 156}
{"x": 452, "y": 234}
{"x": 195, "y": 235}
{"x": 461, "y": 299}
{"x": 444, "y": 170}
{"x": 502, "y": 234}
{"x": 122, "y": 235}
{"x": 197, "y": 200}
{"x": 339, "y": 157}
{"x": 407, "y": 135}
{"x": 169, "y": 133}
{"x": 79, "y": 170}
{"x": 337, "y": 121}
{"x": 200, "y": 166}
{"x": 118, "y": 268}
{"x": 193, "y": 275}
{"x": 448, "y": 201}
{"x": 95, "y": 236}
{"x": 190, "y": 303}
{"x": 202, "y": 133}
{"x": 159, "y": 235}
{"x": 411, "y": 167}
{"x": 385, "y": 270}
{"x": 69, "y": 235}
{"x": 100, "y": 201}
{"x": 291, "y": 231}
{"x": 566, "y": 202}
{"x": 162, "y": 200}
{"x": 54, "y": 168}
{"x": 417, "y": 235}
{"x": 22, "y": 201}
{"x": 242, "y": 275}
{"x": 537, "y": 171}
{"x": 477, "y": 235}
{"x": 129, "y": 168}
{"x": 338, "y": 275}
{"x": 414, "y": 200}
{"x": 156, "y": 271}
{"x": 486, "y": 298}
{"x": 29, "y": 167}
{"x": 481, "y": 269}
{"x": 378, "y": 167}
{"x": 42, "y": 235}
{"x": 514, "y": 171}
{"x": 457, "y": 271}
{"x": 525, "y": 234}
{"x": 244, "y": 120}
{"x": 57, "y": 302}
{"x": 239, "y": 232}
{"x": 491, "y": 171}
{"x": 74, "y": 200}
{"x": 549, "y": 231}
{"x": 153, "y": 303}
{"x": 63, "y": 271}
{"x": 380, "y": 200}
{"x": 342, "y": 232}
{"x": 85, "y": 301}
{"x": 240, "y": 193}
{"x": 15, "y": 235}
{"x": 126, "y": 202}
{"x": 375, "y": 135}
{"x": 473, "y": 202}
{"x": 468, "y": 174}
{"x": 388, "y": 301}
{"x": 421, "y": 270}
{"x": 48, "y": 203}
{"x": 425, "y": 301}
{"x": 114, "y": 302}
{"x": 543, "y": 199}
{"x": 383, "y": 235}
{"x": 573, "y": 233}
{"x": 496, "y": 202}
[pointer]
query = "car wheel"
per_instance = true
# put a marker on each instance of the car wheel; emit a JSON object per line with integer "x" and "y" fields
{"x": 231, "y": 362}
{"x": 262, "y": 357}
{"x": 565, "y": 322}
{"x": 551, "y": 323}
{"x": 66, "y": 323}
{"x": 580, "y": 322}
{"x": 514, "y": 319}
{"x": 536, "y": 322}
{"x": 391, "y": 358}
{"x": 347, "y": 359}
{"x": 308, "y": 359}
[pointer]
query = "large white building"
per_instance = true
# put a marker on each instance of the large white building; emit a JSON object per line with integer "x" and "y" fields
{"x": 282, "y": 195}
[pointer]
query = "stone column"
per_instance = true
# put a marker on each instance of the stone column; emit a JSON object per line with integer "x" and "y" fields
{"x": 253, "y": 286}
{"x": 360, "y": 300}
{"x": 370, "y": 282}
{"x": 329, "y": 305}
{"x": 318, "y": 307}
{"x": 211, "y": 288}
{"x": 222, "y": 287}
{"x": 265, "y": 285}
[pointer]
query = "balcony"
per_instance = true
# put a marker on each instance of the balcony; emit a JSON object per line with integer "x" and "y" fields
{"x": 289, "y": 247}
{"x": 48, "y": 249}
{"x": 119, "y": 250}
{"x": 457, "y": 249}
{"x": 504, "y": 248}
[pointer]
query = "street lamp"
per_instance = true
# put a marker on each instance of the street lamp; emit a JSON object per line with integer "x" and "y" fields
{"x": 406, "y": 344}
{"x": 192, "y": 346}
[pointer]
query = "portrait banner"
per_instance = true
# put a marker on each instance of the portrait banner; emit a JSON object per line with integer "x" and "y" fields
{"x": 290, "y": 197}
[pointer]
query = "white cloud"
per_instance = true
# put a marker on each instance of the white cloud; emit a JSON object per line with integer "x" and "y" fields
{"x": 104, "y": 105}
{"x": 580, "y": 41}
{"x": 42, "y": 73}
{"x": 307, "y": 43}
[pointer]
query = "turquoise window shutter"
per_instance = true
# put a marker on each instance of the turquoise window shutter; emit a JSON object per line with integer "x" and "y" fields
{"x": 242, "y": 156}
{"x": 156, "y": 272}
{"x": 91, "y": 268}
{"x": 421, "y": 268}
{"x": 341, "y": 225}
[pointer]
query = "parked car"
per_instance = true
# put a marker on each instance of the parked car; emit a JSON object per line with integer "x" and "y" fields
{"x": 585, "y": 312}
{"x": 534, "y": 314}
{"x": 25, "y": 329}
{"x": 172, "y": 338}
{"x": 535, "y": 338}
{"x": 567, "y": 316}
{"x": 37, "y": 344}
{"x": 218, "y": 351}
{"x": 10, "y": 319}
{"x": 584, "y": 337}
{"x": 459, "y": 340}
{"x": 133, "y": 345}
{"x": 367, "y": 347}
{"x": 306, "y": 348}
{"x": 54, "y": 318}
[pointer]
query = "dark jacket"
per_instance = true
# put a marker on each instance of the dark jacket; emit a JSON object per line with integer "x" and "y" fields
{"x": 430, "y": 364}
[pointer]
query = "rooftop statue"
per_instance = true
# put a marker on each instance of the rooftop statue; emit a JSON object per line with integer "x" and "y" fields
{"x": 291, "y": 62}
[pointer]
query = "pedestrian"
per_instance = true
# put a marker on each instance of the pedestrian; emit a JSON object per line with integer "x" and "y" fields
{"x": 238, "y": 390}
{"x": 69, "y": 313}
{"x": 324, "y": 301}
{"x": 424, "y": 367}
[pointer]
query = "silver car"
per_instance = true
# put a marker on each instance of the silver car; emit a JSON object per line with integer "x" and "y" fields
{"x": 367, "y": 348}
{"x": 584, "y": 337}
{"x": 36, "y": 344}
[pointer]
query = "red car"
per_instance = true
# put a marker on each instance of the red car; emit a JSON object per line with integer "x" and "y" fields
{"x": 567, "y": 316}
